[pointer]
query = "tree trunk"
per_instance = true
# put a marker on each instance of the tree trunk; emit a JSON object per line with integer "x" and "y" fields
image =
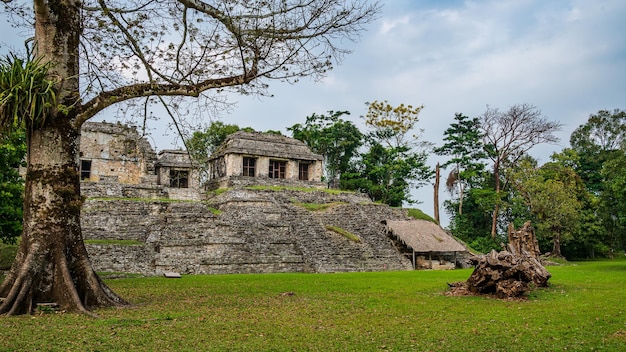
{"x": 496, "y": 210}
{"x": 52, "y": 265}
{"x": 436, "y": 195}
{"x": 556, "y": 245}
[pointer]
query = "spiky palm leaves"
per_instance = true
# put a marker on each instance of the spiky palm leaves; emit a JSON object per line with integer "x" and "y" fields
{"x": 26, "y": 92}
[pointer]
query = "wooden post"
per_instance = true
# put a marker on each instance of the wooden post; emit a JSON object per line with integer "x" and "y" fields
{"x": 430, "y": 260}
{"x": 414, "y": 262}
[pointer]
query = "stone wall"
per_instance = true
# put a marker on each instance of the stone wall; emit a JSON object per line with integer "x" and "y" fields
{"x": 242, "y": 231}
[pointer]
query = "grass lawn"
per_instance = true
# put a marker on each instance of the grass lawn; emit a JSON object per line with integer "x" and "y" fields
{"x": 584, "y": 309}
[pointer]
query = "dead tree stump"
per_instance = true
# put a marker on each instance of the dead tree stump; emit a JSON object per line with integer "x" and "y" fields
{"x": 509, "y": 273}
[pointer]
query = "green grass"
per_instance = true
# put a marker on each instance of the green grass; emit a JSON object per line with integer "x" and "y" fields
{"x": 115, "y": 242}
{"x": 301, "y": 189}
{"x": 419, "y": 215}
{"x": 143, "y": 200}
{"x": 347, "y": 234}
{"x": 582, "y": 310}
{"x": 317, "y": 206}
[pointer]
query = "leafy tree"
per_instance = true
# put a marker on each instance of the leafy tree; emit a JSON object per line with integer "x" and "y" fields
{"x": 613, "y": 200}
{"x": 507, "y": 136}
{"x": 392, "y": 164}
{"x": 597, "y": 141}
{"x": 464, "y": 145}
{"x": 98, "y": 53}
{"x": 551, "y": 194}
{"x": 12, "y": 153}
{"x": 336, "y": 139}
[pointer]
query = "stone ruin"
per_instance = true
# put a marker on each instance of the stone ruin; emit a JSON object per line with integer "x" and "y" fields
{"x": 510, "y": 273}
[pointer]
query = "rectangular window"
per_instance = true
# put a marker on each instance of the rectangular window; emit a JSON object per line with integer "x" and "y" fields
{"x": 277, "y": 169}
{"x": 249, "y": 167}
{"x": 179, "y": 178}
{"x": 85, "y": 169}
{"x": 303, "y": 172}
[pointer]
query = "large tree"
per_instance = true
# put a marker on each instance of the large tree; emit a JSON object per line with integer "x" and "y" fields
{"x": 463, "y": 144}
{"x": 508, "y": 135}
{"x": 105, "y": 52}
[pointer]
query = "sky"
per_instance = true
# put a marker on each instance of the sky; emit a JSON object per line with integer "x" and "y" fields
{"x": 568, "y": 58}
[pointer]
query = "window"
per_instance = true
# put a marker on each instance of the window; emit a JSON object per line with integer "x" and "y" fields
{"x": 303, "y": 172}
{"x": 249, "y": 166}
{"x": 179, "y": 178}
{"x": 277, "y": 169}
{"x": 85, "y": 169}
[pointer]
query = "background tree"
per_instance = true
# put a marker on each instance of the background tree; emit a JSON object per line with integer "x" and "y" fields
{"x": 100, "y": 53}
{"x": 12, "y": 153}
{"x": 392, "y": 163}
{"x": 507, "y": 136}
{"x": 336, "y": 139}
{"x": 551, "y": 195}
{"x": 598, "y": 140}
{"x": 463, "y": 143}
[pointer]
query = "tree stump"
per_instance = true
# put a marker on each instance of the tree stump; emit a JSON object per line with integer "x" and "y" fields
{"x": 507, "y": 274}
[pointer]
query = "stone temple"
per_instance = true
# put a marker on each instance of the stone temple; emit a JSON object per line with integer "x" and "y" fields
{"x": 263, "y": 209}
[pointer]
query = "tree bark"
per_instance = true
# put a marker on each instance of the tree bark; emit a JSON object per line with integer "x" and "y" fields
{"x": 496, "y": 210}
{"x": 52, "y": 265}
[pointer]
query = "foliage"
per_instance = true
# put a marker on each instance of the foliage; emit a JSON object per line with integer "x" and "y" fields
{"x": 111, "y": 242}
{"x": 26, "y": 92}
{"x": 345, "y": 233}
{"x": 340, "y": 312}
{"x": 390, "y": 124}
{"x": 386, "y": 174}
{"x": 551, "y": 194}
{"x": 12, "y": 153}
{"x": 507, "y": 137}
{"x": 7, "y": 254}
{"x": 419, "y": 215}
{"x": 317, "y": 206}
{"x": 464, "y": 146}
{"x": 596, "y": 142}
{"x": 392, "y": 162}
{"x": 336, "y": 139}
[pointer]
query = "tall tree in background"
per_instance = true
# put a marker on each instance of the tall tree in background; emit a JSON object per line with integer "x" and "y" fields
{"x": 100, "y": 53}
{"x": 551, "y": 193}
{"x": 600, "y": 139}
{"x": 393, "y": 161}
{"x": 507, "y": 136}
{"x": 12, "y": 153}
{"x": 463, "y": 143}
{"x": 336, "y": 139}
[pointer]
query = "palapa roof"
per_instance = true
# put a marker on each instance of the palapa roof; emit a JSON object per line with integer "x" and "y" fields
{"x": 423, "y": 236}
{"x": 265, "y": 144}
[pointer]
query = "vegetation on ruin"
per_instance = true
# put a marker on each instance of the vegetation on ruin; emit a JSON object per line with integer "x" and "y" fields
{"x": 347, "y": 234}
{"x": 318, "y": 206}
{"x": 419, "y": 215}
{"x": 111, "y": 242}
{"x": 301, "y": 189}
{"x": 582, "y": 310}
{"x": 143, "y": 200}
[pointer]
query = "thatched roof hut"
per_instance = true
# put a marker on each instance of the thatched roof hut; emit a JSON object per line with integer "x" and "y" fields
{"x": 422, "y": 237}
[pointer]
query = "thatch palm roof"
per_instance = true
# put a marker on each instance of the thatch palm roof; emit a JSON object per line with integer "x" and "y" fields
{"x": 423, "y": 236}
